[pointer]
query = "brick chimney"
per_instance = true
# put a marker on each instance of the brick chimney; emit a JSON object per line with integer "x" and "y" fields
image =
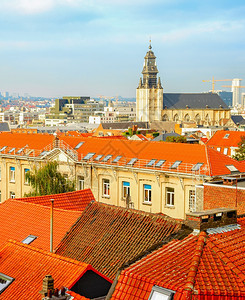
{"x": 214, "y": 218}
{"x": 48, "y": 284}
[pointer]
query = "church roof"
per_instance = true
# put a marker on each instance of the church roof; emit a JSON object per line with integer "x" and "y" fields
{"x": 193, "y": 101}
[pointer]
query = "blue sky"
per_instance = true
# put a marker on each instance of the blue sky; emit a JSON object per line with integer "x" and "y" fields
{"x": 97, "y": 47}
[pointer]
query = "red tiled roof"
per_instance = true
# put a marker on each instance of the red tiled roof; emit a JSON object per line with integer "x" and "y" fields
{"x": 144, "y": 151}
{"x": 219, "y": 140}
{"x": 200, "y": 266}
{"x": 214, "y": 163}
{"x": 77, "y": 200}
{"x": 20, "y": 219}
{"x": 107, "y": 236}
{"x": 28, "y": 266}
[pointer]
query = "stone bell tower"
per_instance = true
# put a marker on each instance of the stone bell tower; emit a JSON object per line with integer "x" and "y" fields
{"x": 149, "y": 93}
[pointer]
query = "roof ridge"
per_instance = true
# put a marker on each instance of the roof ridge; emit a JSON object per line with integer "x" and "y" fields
{"x": 208, "y": 160}
{"x": 190, "y": 280}
{"x": 225, "y": 259}
{"x": 40, "y": 205}
{"x": 138, "y": 212}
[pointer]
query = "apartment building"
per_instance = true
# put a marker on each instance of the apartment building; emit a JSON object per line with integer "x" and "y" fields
{"x": 149, "y": 176}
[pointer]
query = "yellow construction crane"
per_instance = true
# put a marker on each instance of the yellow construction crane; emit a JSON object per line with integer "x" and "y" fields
{"x": 214, "y": 80}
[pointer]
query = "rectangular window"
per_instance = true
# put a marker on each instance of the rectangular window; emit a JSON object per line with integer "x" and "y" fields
{"x": 80, "y": 183}
{"x": 147, "y": 193}
{"x": 225, "y": 151}
{"x": 26, "y": 180}
{"x": 169, "y": 196}
{"x": 106, "y": 187}
{"x": 218, "y": 149}
{"x": 192, "y": 200}
{"x": 12, "y": 174}
{"x": 126, "y": 189}
{"x": 12, "y": 195}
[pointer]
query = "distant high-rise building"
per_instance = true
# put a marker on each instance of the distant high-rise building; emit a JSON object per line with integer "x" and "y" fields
{"x": 226, "y": 97}
{"x": 5, "y": 94}
{"x": 236, "y": 83}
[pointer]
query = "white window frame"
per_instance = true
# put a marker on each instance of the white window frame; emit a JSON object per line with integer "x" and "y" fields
{"x": 169, "y": 196}
{"x": 147, "y": 193}
{"x": 106, "y": 188}
{"x": 80, "y": 181}
{"x": 12, "y": 174}
{"x": 192, "y": 200}
{"x": 125, "y": 189}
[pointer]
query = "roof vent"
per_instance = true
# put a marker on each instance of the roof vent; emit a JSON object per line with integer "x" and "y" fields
{"x": 211, "y": 218}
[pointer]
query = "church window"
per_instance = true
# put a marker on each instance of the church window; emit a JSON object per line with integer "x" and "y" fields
{"x": 165, "y": 117}
{"x": 187, "y": 118}
{"x": 176, "y": 118}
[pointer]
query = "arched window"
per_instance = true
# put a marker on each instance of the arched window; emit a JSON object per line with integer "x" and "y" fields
{"x": 198, "y": 119}
{"x": 176, "y": 118}
{"x": 187, "y": 118}
{"x": 165, "y": 117}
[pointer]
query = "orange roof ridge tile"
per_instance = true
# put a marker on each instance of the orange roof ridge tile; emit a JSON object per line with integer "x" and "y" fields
{"x": 208, "y": 161}
{"x": 190, "y": 280}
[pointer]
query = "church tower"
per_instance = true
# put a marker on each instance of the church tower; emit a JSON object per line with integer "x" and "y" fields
{"x": 149, "y": 94}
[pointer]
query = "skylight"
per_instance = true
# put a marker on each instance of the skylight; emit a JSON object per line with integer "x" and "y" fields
{"x": 132, "y": 161}
{"x": 98, "y": 157}
{"x": 159, "y": 293}
{"x": 79, "y": 145}
{"x": 11, "y": 150}
{"x": 231, "y": 168}
{"x": 151, "y": 162}
{"x": 43, "y": 153}
{"x": 117, "y": 158}
{"x": 176, "y": 164}
{"x": 226, "y": 136}
{"x": 160, "y": 163}
{"x": 106, "y": 158}
{"x": 89, "y": 155}
{"x": 29, "y": 239}
{"x": 3, "y": 148}
{"x": 20, "y": 150}
{"x": 5, "y": 281}
{"x": 196, "y": 167}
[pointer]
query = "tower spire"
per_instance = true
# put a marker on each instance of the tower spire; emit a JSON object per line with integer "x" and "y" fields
{"x": 150, "y": 44}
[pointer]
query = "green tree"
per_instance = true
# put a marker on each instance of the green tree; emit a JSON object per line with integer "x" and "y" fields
{"x": 240, "y": 152}
{"x": 176, "y": 139}
{"x": 48, "y": 180}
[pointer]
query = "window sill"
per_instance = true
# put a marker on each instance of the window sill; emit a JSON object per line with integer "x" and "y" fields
{"x": 147, "y": 203}
{"x": 170, "y": 206}
{"x": 11, "y": 181}
{"x": 105, "y": 196}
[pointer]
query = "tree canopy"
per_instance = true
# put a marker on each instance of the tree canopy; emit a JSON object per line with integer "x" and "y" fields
{"x": 240, "y": 152}
{"x": 176, "y": 139}
{"x": 48, "y": 180}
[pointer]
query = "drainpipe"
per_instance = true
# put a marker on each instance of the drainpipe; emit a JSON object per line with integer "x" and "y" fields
{"x": 51, "y": 224}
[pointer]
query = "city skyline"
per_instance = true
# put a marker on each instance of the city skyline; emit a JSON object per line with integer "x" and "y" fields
{"x": 77, "y": 47}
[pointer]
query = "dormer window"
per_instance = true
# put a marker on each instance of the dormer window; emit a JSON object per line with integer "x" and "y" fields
{"x": 5, "y": 281}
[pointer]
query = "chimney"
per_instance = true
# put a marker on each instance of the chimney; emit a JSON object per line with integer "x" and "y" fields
{"x": 48, "y": 284}
{"x": 214, "y": 218}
